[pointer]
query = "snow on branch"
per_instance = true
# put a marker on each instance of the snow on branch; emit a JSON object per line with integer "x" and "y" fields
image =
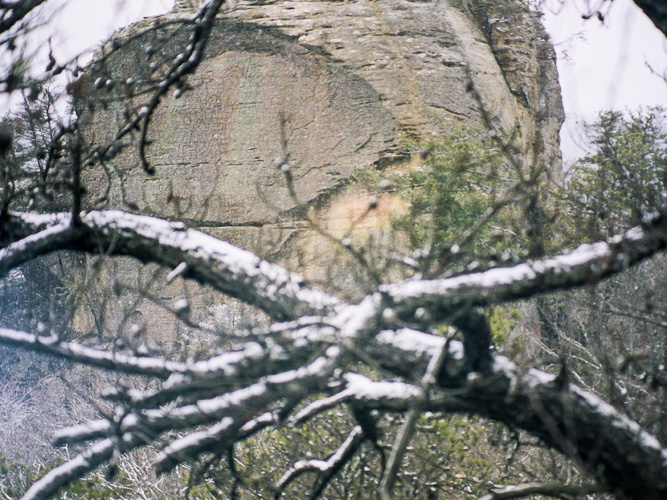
{"x": 71, "y": 470}
{"x": 232, "y": 416}
{"x": 326, "y": 468}
{"x": 99, "y": 358}
{"x": 204, "y": 411}
{"x": 532, "y": 400}
{"x": 556, "y": 490}
{"x": 284, "y": 295}
{"x": 614, "y": 448}
{"x": 229, "y": 269}
{"x": 39, "y": 243}
{"x": 228, "y": 370}
{"x": 586, "y": 264}
{"x": 22, "y": 224}
{"x": 227, "y": 395}
{"x": 566, "y": 417}
{"x": 90, "y": 431}
{"x": 366, "y": 392}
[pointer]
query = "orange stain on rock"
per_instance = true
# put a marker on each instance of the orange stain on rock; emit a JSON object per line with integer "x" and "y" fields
{"x": 353, "y": 213}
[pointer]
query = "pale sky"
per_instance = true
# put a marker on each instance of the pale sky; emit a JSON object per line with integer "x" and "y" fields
{"x": 605, "y": 65}
{"x": 602, "y": 65}
{"x": 96, "y": 20}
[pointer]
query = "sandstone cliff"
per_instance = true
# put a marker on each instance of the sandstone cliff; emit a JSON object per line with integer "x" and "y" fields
{"x": 350, "y": 81}
{"x": 337, "y": 85}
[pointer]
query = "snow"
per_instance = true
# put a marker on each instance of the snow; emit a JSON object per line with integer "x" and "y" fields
{"x": 616, "y": 419}
{"x": 322, "y": 465}
{"x": 539, "y": 377}
{"x": 265, "y": 418}
{"x": 419, "y": 343}
{"x": 364, "y": 388}
{"x": 90, "y": 356}
{"x": 620, "y": 421}
{"x": 209, "y": 407}
{"x": 524, "y": 276}
{"x": 271, "y": 283}
{"x": 178, "y": 271}
{"x": 268, "y": 285}
{"x": 74, "y": 468}
{"x": 354, "y": 319}
{"x": 278, "y": 291}
{"x": 319, "y": 367}
{"x": 194, "y": 440}
{"x": 228, "y": 363}
{"x": 25, "y": 244}
{"x": 81, "y": 432}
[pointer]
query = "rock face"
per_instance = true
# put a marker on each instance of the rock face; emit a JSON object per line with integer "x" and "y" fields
{"x": 437, "y": 65}
{"x": 332, "y": 86}
{"x": 337, "y": 85}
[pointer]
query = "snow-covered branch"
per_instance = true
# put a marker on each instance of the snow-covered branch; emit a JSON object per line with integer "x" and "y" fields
{"x": 229, "y": 269}
{"x": 100, "y": 358}
{"x": 556, "y": 490}
{"x": 325, "y": 468}
{"x": 614, "y": 448}
{"x": 312, "y": 349}
{"x": 71, "y": 470}
{"x": 227, "y": 414}
{"x": 564, "y": 416}
{"x": 585, "y": 265}
{"x": 56, "y": 236}
{"x": 383, "y": 354}
{"x": 284, "y": 295}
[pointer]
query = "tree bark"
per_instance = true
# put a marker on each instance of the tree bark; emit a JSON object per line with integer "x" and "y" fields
{"x": 656, "y": 11}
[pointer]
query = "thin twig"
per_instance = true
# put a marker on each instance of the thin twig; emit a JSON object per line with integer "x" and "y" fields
{"x": 328, "y": 467}
{"x": 555, "y": 490}
{"x": 408, "y": 428}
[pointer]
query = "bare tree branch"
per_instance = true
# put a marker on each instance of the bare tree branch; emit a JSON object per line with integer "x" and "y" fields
{"x": 99, "y": 358}
{"x": 184, "y": 64}
{"x": 555, "y": 490}
{"x": 584, "y": 265}
{"x": 12, "y": 13}
{"x": 238, "y": 273}
{"x": 326, "y": 468}
{"x": 74, "y": 469}
{"x": 656, "y": 11}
